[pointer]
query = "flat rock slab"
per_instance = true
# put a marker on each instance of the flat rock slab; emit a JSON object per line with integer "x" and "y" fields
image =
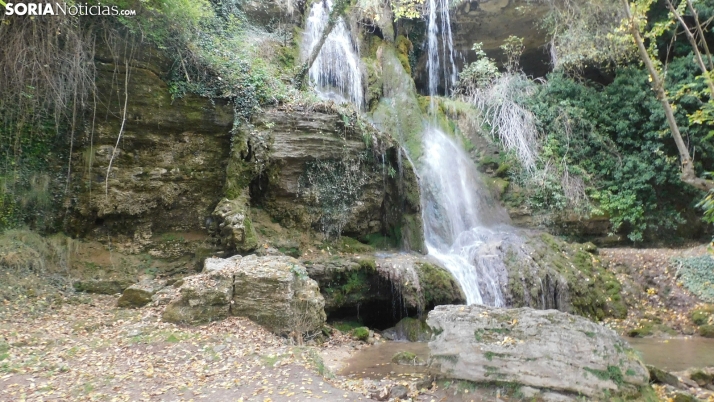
{"x": 139, "y": 294}
{"x": 102, "y": 287}
{"x": 546, "y": 349}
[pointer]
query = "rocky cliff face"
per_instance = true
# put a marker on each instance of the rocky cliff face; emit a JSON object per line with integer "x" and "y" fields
{"x": 178, "y": 168}
{"x": 166, "y": 169}
{"x": 328, "y": 170}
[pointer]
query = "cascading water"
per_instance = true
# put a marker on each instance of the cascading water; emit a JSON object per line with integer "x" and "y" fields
{"x": 463, "y": 225}
{"x": 336, "y": 71}
{"x": 440, "y": 37}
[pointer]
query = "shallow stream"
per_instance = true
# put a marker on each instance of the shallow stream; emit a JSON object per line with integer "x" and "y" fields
{"x": 675, "y": 354}
{"x": 669, "y": 354}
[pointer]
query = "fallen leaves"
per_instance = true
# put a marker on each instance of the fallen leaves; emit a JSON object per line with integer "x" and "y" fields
{"x": 96, "y": 351}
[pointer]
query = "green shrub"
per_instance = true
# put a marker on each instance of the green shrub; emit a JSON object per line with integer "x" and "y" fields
{"x": 700, "y": 317}
{"x": 613, "y": 144}
{"x": 707, "y": 331}
{"x": 697, "y": 275}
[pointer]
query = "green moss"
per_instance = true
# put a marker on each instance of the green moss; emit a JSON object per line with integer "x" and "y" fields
{"x": 251, "y": 239}
{"x": 349, "y": 245}
{"x": 346, "y": 326}
{"x": 701, "y": 316}
{"x": 612, "y": 373}
{"x": 398, "y": 111}
{"x": 498, "y": 186}
{"x": 438, "y": 285}
{"x": 350, "y": 286}
{"x": 490, "y": 355}
{"x": 643, "y": 330}
{"x": 592, "y": 290}
{"x": 478, "y": 335}
{"x": 707, "y": 331}
{"x": 414, "y": 329}
{"x": 361, "y": 333}
{"x": 449, "y": 358}
{"x": 407, "y": 359}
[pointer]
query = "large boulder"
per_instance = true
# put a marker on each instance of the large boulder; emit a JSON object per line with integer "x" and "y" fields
{"x": 201, "y": 298}
{"x": 276, "y": 293}
{"x": 546, "y": 349}
{"x": 273, "y": 291}
{"x": 139, "y": 294}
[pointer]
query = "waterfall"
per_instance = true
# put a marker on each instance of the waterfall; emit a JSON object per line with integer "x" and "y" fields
{"x": 336, "y": 71}
{"x": 463, "y": 225}
{"x": 440, "y": 38}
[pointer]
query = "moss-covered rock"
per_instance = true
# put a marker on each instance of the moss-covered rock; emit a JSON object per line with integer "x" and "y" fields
{"x": 139, "y": 294}
{"x": 707, "y": 331}
{"x": 438, "y": 286}
{"x": 702, "y": 315}
{"x": 660, "y": 376}
{"x": 273, "y": 291}
{"x": 536, "y": 348}
{"x": 361, "y": 333}
{"x": 409, "y": 329}
{"x": 234, "y": 225}
{"x": 546, "y": 272}
{"x": 407, "y": 359}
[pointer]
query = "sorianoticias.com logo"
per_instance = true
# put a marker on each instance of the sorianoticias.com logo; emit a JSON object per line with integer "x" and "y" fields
{"x": 81, "y": 9}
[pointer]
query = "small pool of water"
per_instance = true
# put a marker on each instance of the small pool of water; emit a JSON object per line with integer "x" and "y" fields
{"x": 675, "y": 354}
{"x": 375, "y": 362}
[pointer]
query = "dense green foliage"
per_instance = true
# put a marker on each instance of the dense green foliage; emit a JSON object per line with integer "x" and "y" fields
{"x": 218, "y": 52}
{"x": 615, "y": 139}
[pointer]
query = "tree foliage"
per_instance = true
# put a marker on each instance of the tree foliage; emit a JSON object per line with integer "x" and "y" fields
{"x": 616, "y": 140}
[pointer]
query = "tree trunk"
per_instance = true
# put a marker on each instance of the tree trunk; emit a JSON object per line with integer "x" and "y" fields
{"x": 701, "y": 33}
{"x": 337, "y": 10}
{"x": 695, "y": 48}
{"x": 688, "y": 175}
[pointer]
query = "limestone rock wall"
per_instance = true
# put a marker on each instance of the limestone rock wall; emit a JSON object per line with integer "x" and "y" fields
{"x": 167, "y": 170}
{"x": 327, "y": 170}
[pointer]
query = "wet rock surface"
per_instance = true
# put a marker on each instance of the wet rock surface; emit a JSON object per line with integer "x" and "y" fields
{"x": 544, "y": 349}
{"x": 384, "y": 287}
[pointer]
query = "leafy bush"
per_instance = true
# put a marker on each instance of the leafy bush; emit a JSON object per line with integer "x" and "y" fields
{"x": 697, "y": 274}
{"x": 614, "y": 142}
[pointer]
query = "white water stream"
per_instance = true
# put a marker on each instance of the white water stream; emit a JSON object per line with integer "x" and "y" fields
{"x": 463, "y": 225}
{"x": 336, "y": 71}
